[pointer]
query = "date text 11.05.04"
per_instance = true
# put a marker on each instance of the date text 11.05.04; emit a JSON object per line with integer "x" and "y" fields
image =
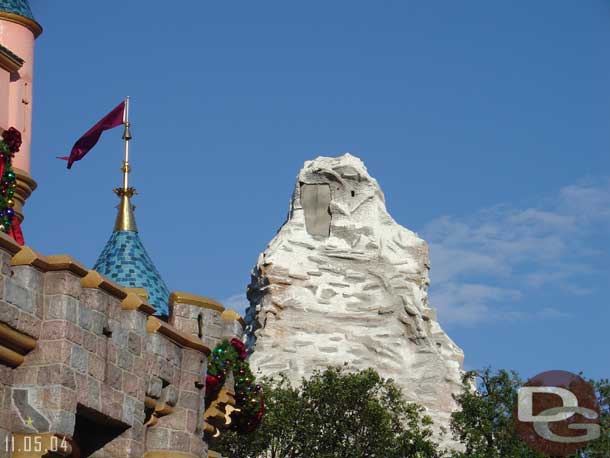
{"x": 35, "y": 443}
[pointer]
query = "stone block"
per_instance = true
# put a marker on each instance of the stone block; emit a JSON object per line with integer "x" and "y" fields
{"x": 112, "y": 352}
{"x": 193, "y": 422}
{"x": 57, "y": 351}
{"x": 29, "y": 324}
{"x": 29, "y": 277}
{"x": 232, "y": 329}
{"x": 85, "y": 317}
{"x": 57, "y": 397}
{"x": 157, "y": 344}
{"x": 9, "y": 314}
{"x": 139, "y": 365}
{"x": 25, "y": 375}
{"x": 157, "y": 439}
{"x": 68, "y": 377}
{"x": 179, "y": 441}
{"x": 192, "y": 360}
{"x": 174, "y": 354}
{"x": 129, "y": 408}
{"x": 61, "y": 307}
{"x": 131, "y": 384}
{"x": 155, "y": 385}
{"x": 62, "y": 283}
{"x": 125, "y": 359}
{"x": 134, "y": 320}
{"x": 114, "y": 377}
{"x": 182, "y": 310}
{"x": 54, "y": 330}
{"x": 175, "y": 420}
{"x": 5, "y": 262}
{"x": 190, "y": 399}
{"x": 139, "y": 412}
{"x": 115, "y": 312}
{"x": 95, "y": 299}
{"x": 198, "y": 447}
{"x": 102, "y": 347}
{"x": 164, "y": 370}
{"x": 98, "y": 322}
{"x": 19, "y": 296}
{"x": 62, "y": 422}
{"x": 82, "y": 388}
{"x": 49, "y": 375}
{"x": 187, "y": 325}
{"x": 134, "y": 343}
{"x": 6, "y": 375}
{"x": 170, "y": 395}
{"x": 119, "y": 334}
{"x": 94, "y": 391}
{"x": 97, "y": 366}
{"x": 90, "y": 342}
{"x": 79, "y": 359}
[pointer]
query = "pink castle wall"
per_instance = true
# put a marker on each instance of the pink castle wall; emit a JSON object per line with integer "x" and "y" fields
{"x": 16, "y": 89}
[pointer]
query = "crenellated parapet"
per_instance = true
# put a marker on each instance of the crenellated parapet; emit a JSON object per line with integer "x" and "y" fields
{"x": 84, "y": 362}
{"x": 204, "y": 318}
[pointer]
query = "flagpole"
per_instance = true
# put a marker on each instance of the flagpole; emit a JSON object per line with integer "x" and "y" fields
{"x": 126, "y": 138}
{"x": 125, "y": 220}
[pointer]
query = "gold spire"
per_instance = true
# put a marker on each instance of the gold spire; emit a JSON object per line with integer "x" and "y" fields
{"x": 125, "y": 219}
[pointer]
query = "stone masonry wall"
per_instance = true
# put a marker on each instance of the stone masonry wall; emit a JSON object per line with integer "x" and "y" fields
{"x": 101, "y": 362}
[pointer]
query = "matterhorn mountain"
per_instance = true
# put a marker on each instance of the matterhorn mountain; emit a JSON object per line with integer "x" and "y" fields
{"x": 342, "y": 282}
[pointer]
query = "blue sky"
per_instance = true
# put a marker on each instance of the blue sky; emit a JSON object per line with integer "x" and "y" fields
{"x": 487, "y": 125}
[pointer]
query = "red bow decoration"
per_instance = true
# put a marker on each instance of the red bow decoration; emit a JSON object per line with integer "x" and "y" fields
{"x": 240, "y": 347}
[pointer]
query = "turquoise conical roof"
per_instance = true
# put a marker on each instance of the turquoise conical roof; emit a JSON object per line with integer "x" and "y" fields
{"x": 20, "y": 7}
{"x": 125, "y": 261}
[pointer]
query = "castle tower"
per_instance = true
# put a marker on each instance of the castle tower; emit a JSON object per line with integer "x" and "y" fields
{"x": 18, "y": 32}
{"x": 124, "y": 258}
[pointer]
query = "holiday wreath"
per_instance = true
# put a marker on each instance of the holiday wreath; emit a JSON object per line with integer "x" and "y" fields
{"x": 231, "y": 356}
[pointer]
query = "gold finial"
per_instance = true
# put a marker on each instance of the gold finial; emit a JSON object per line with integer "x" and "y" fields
{"x": 125, "y": 219}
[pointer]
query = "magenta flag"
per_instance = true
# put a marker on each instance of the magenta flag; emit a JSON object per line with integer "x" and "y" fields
{"x": 84, "y": 144}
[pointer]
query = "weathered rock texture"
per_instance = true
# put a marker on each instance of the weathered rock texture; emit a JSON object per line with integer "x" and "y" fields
{"x": 343, "y": 282}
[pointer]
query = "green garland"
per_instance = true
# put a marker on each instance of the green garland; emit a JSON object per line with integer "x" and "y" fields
{"x": 9, "y": 145}
{"x": 231, "y": 356}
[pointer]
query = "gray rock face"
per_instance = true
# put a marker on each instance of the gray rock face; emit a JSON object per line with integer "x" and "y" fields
{"x": 342, "y": 282}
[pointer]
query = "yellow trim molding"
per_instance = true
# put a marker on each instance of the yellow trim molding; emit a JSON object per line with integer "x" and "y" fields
{"x": 141, "y": 292}
{"x": 58, "y": 262}
{"x": 167, "y": 454}
{"x": 232, "y": 315}
{"x": 15, "y": 339}
{"x": 31, "y": 24}
{"x": 8, "y": 243}
{"x": 14, "y": 345}
{"x": 8, "y": 62}
{"x": 28, "y": 257}
{"x": 9, "y": 357}
{"x": 179, "y": 297}
{"x": 25, "y": 187}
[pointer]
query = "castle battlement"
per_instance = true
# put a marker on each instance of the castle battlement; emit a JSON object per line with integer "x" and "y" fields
{"x": 83, "y": 358}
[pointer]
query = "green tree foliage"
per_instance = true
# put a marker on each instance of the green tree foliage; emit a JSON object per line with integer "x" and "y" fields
{"x": 335, "y": 414}
{"x": 485, "y": 426}
{"x": 601, "y": 447}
